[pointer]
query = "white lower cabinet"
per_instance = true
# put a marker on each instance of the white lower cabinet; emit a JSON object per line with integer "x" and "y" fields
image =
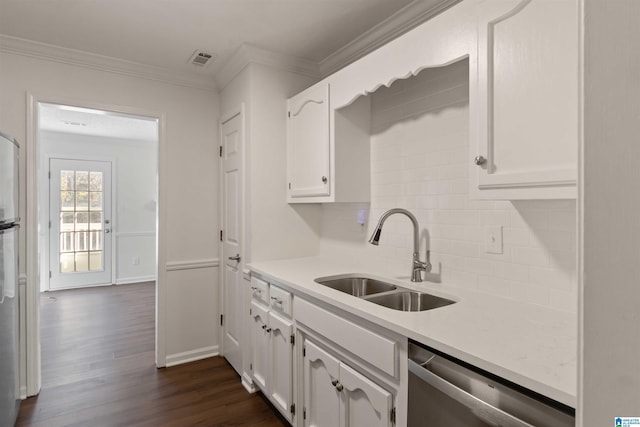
{"x": 272, "y": 356}
{"x": 337, "y": 395}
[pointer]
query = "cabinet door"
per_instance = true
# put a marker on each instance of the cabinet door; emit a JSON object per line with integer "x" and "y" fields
{"x": 320, "y": 377}
{"x": 308, "y": 143}
{"x": 280, "y": 378}
{"x": 364, "y": 403}
{"x": 527, "y": 99}
{"x": 260, "y": 345}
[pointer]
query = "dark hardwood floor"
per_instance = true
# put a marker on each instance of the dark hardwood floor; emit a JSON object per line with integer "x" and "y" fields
{"x": 98, "y": 370}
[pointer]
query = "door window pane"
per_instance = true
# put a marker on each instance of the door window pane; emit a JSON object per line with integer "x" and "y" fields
{"x": 95, "y": 222}
{"x": 95, "y": 202}
{"x": 67, "y": 263}
{"x": 82, "y": 180}
{"x": 95, "y": 261}
{"x": 67, "y": 180}
{"x": 82, "y": 261}
{"x": 81, "y": 221}
{"x": 82, "y": 200}
{"x": 95, "y": 181}
{"x": 66, "y": 200}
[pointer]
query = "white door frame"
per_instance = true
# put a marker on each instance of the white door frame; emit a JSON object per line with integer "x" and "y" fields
{"x": 31, "y": 337}
{"x": 245, "y": 342}
{"x": 46, "y": 202}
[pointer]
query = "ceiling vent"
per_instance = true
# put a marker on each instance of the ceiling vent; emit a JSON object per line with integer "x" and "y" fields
{"x": 200, "y": 58}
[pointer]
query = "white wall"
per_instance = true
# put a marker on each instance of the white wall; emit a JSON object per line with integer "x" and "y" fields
{"x": 134, "y": 226}
{"x": 274, "y": 229}
{"x": 419, "y": 161}
{"x": 610, "y": 368}
{"x": 188, "y": 188}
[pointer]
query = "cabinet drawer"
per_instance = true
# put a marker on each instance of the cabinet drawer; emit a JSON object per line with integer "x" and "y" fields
{"x": 280, "y": 300}
{"x": 372, "y": 347}
{"x": 260, "y": 289}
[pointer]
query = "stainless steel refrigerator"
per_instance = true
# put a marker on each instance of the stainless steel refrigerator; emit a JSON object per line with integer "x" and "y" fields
{"x": 9, "y": 384}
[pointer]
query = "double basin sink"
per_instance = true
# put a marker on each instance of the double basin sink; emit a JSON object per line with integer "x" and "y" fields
{"x": 383, "y": 293}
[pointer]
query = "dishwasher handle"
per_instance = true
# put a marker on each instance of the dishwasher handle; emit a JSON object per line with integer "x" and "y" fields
{"x": 485, "y": 411}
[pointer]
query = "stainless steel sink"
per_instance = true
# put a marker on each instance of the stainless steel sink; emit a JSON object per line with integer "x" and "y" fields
{"x": 409, "y": 301}
{"x": 383, "y": 293}
{"x": 357, "y": 286}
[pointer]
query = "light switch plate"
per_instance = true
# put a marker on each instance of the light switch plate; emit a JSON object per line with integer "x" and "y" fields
{"x": 493, "y": 239}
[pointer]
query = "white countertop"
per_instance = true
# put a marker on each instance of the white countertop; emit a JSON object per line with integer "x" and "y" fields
{"x": 527, "y": 344}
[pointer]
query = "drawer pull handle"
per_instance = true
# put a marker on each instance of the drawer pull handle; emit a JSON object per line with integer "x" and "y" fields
{"x": 276, "y": 300}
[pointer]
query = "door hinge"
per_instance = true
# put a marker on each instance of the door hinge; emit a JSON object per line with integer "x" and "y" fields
{"x": 222, "y": 320}
{"x": 289, "y": 186}
{"x": 49, "y": 174}
{"x": 293, "y": 409}
{"x": 304, "y": 413}
{"x": 289, "y": 114}
{"x": 250, "y": 312}
{"x": 49, "y": 224}
{"x": 293, "y": 340}
{"x": 304, "y": 351}
{"x": 221, "y": 235}
{"x": 393, "y": 415}
{"x": 221, "y": 151}
{"x": 251, "y": 366}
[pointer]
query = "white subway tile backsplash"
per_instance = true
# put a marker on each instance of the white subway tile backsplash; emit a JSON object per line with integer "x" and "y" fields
{"x": 420, "y": 161}
{"x": 553, "y": 240}
{"x": 530, "y": 256}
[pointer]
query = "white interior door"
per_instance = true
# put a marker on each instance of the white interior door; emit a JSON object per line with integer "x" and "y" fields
{"x": 80, "y": 223}
{"x": 232, "y": 238}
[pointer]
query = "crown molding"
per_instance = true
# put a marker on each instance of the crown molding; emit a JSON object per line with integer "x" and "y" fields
{"x": 247, "y": 54}
{"x": 404, "y": 20}
{"x": 49, "y": 52}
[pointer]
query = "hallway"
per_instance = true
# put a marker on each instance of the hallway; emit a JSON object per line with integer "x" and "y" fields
{"x": 98, "y": 369}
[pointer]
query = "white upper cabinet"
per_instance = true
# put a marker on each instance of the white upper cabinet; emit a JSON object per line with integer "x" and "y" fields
{"x": 523, "y": 103}
{"x": 327, "y": 148}
{"x": 524, "y": 100}
{"x": 308, "y": 143}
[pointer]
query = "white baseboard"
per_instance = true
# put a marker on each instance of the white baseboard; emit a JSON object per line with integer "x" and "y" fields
{"x": 247, "y": 383}
{"x": 128, "y": 280}
{"x": 23, "y": 392}
{"x": 192, "y": 355}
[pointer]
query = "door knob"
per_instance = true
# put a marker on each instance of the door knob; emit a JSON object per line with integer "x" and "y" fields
{"x": 235, "y": 258}
{"x": 479, "y": 160}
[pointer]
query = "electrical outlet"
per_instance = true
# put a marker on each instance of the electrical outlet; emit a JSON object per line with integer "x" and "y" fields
{"x": 493, "y": 239}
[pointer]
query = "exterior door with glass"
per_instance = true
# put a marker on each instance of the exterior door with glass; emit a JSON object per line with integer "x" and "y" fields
{"x": 79, "y": 223}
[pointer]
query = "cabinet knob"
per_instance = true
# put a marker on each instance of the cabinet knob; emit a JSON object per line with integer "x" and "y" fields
{"x": 479, "y": 160}
{"x": 268, "y": 330}
{"x": 324, "y": 179}
{"x": 334, "y": 382}
{"x": 339, "y": 387}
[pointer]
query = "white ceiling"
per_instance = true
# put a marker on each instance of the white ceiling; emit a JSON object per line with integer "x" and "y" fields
{"x": 165, "y": 33}
{"x": 83, "y": 121}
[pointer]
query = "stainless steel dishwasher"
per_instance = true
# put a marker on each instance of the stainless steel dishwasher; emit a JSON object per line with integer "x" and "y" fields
{"x": 444, "y": 392}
